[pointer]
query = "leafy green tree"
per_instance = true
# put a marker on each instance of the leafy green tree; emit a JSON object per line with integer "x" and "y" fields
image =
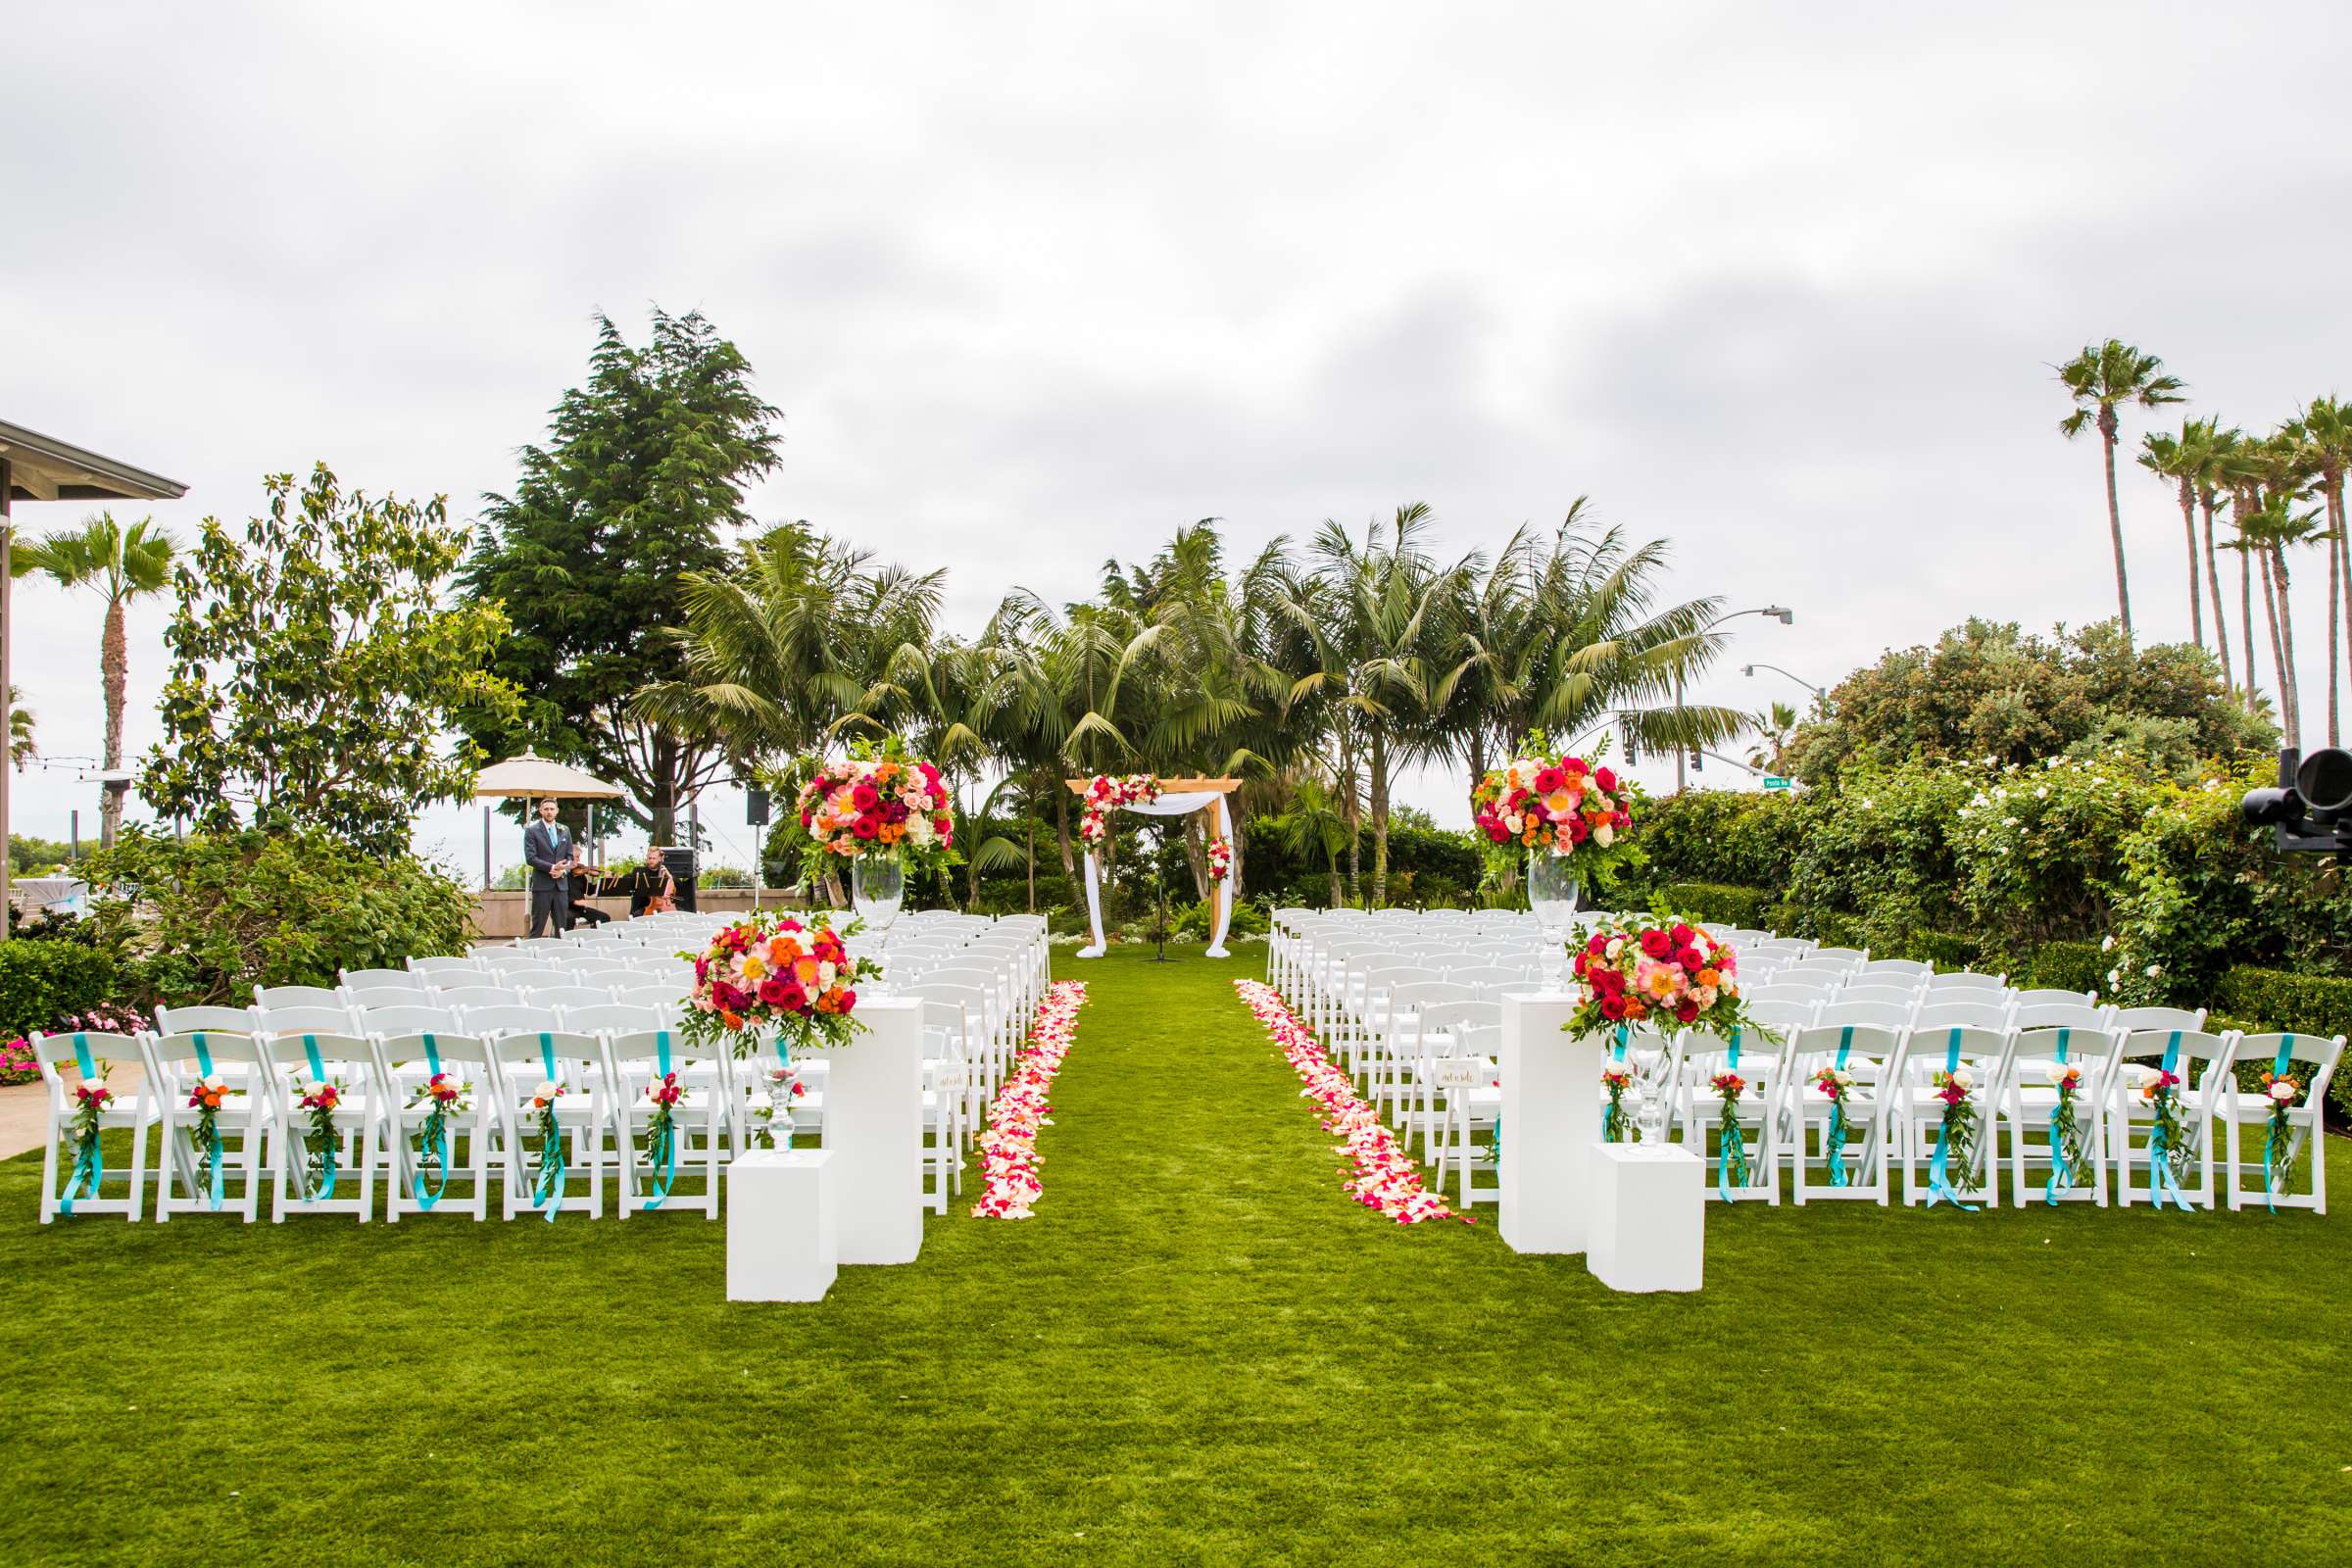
{"x": 122, "y": 565}
{"x": 2099, "y": 379}
{"x": 21, "y": 747}
{"x": 314, "y": 665}
{"x": 1988, "y": 689}
{"x": 595, "y": 552}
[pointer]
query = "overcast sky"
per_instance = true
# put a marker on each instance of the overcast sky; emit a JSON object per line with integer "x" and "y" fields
{"x": 1035, "y": 285}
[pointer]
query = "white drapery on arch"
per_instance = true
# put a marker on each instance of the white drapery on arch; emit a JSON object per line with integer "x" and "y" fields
{"x": 1173, "y": 803}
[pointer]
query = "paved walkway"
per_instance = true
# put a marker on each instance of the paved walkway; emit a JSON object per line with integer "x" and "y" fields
{"x": 24, "y": 1107}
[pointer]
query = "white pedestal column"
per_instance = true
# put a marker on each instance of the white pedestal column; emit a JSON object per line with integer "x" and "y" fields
{"x": 1650, "y": 1217}
{"x": 782, "y": 1225}
{"x": 874, "y": 1127}
{"x": 1550, "y": 1120}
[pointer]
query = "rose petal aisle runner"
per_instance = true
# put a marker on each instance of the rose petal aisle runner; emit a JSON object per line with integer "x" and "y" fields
{"x": 1386, "y": 1178}
{"x": 1008, "y": 1158}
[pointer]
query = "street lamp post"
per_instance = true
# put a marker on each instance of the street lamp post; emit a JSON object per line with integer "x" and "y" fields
{"x": 1821, "y": 694}
{"x": 1682, "y": 753}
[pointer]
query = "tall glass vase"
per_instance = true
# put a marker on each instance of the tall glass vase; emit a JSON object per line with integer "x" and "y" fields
{"x": 1551, "y": 894}
{"x": 877, "y": 889}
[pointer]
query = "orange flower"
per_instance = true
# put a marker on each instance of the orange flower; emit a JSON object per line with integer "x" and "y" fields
{"x": 1708, "y": 977}
{"x": 783, "y": 949}
{"x": 733, "y": 1020}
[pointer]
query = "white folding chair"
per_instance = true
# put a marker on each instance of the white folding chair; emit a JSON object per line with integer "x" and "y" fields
{"x": 1825, "y": 1128}
{"x": 428, "y": 1153}
{"x": 382, "y": 980}
{"x": 1916, "y": 1110}
{"x": 1763, "y": 1066}
{"x": 2047, "y": 1041}
{"x": 644, "y": 1064}
{"x": 322, "y": 1158}
{"x": 2300, "y": 1135}
{"x": 2146, "y": 1054}
{"x": 210, "y": 1168}
{"x": 81, "y": 1187}
{"x": 543, "y": 1140}
{"x": 272, "y": 999}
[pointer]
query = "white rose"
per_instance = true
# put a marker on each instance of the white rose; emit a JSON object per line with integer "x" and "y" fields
{"x": 825, "y": 972}
{"x": 1962, "y": 1077}
{"x": 2283, "y": 1091}
{"x": 2153, "y": 970}
{"x": 312, "y": 1091}
{"x": 548, "y": 1088}
{"x": 918, "y": 829}
{"x": 1604, "y": 834}
{"x": 2107, "y": 944}
{"x": 1515, "y": 823}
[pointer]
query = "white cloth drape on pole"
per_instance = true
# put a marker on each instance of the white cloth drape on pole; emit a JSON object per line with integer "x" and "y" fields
{"x": 1169, "y": 804}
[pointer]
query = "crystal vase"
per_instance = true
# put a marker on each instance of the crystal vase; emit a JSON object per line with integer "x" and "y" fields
{"x": 1551, "y": 894}
{"x": 877, "y": 889}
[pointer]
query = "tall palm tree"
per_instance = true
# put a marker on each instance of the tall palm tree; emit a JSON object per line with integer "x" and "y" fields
{"x": 123, "y": 566}
{"x": 21, "y": 747}
{"x": 2326, "y": 427}
{"x": 2100, "y": 378}
{"x": 2238, "y": 470}
{"x": 2212, "y": 444}
{"x": 1774, "y": 730}
{"x": 1315, "y": 827}
{"x": 2180, "y": 459}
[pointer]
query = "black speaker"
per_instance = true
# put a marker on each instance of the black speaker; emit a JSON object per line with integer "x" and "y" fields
{"x": 754, "y": 805}
{"x": 681, "y": 863}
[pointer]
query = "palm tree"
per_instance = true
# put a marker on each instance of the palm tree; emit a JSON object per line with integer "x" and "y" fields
{"x": 2180, "y": 459}
{"x": 2325, "y": 428}
{"x": 1314, "y": 825}
{"x": 1775, "y": 730}
{"x": 2237, "y": 469}
{"x": 20, "y": 745}
{"x": 2211, "y": 444}
{"x": 2098, "y": 380}
{"x": 124, "y": 564}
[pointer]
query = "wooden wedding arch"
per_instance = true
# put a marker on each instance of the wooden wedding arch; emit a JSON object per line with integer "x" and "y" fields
{"x": 1219, "y": 831}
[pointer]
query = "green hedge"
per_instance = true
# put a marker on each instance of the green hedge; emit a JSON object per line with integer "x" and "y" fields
{"x": 1720, "y": 902}
{"x": 43, "y": 982}
{"x": 2066, "y": 966}
{"x": 2279, "y": 1001}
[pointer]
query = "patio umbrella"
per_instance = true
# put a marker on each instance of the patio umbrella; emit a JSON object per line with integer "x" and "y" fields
{"x": 531, "y": 777}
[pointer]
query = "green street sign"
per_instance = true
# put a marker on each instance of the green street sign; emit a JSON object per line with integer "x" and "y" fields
{"x": 1772, "y": 783}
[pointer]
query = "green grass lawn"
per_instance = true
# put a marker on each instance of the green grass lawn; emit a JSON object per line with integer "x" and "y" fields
{"x": 1198, "y": 1351}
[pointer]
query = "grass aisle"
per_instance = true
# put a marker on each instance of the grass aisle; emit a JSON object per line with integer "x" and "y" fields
{"x": 1200, "y": 1351}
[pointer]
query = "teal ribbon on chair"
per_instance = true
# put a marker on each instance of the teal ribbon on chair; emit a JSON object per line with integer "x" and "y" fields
{"x": 1939, "y": 1167}
{"x": 669, "y": 1134}
{"x": 326, "y": 1155}
{"x": 783, "y": 1112}
{"x": 427, "y": 1198}
{"x": 212, "y": 1153}
{"x": 2270, "y": 1133}
{"x": 2062, "y": 1169}
{"x": 551, "y": 1144}
{"x": 89, "y": 1164}
{"x": 2162, "y": 1184}
{"x": 1836, "y": 1131}
{"x": 1731, "y": 1146}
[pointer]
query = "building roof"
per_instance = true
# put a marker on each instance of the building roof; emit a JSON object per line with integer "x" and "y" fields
{"x": 42, "y": 468}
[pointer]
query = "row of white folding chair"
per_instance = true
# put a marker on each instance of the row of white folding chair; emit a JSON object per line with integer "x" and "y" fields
{"x": 382, "y": 1076}
{"x": 2014, "y": 1072}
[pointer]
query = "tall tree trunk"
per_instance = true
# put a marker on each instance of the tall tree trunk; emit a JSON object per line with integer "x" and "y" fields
{"x": 1029, "y": 828}
{"x": 1352, "y": 809}
{"x": 2335, "y": 556}
{"x": 2245, "y": 604}
{"x": 1477, "y": 759}
{"x": 2293, "y": 677}
{"x": 1062, "y": 834}
{"x": 2269, "y": 615}
{"x": 2213, "y": 584}
{"x": 664, "y": 776}
{"x": 114, "y": 663}
{"x": 1338, "y": 893}
{"x": 2188, "y": 523}
{"x": 2115, "y": 523}
{"x": 1379, "y": 819}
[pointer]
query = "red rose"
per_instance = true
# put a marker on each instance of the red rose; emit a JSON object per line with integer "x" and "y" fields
{"x": 864, "y": 797}
{"x": 1498, "y": 833}
{"x": 1597, "y": 946}
{"x": 1690, "y": 959}
{"x": 865, "y": 827}
{"x": 849, "y": 998}
{"x": 1608, "y": 982}
{"x": 771, "y": 990}
{"x": 1681, "y": 933}
{"x": 1581, "y": 960}
{"x": 789, "y": 997}
{"x": 1612, "y": 1007}
{"x": 1655, "y": 944}
{"x": 1606, "y": 779}
{"x": 1578, "y": 830}
{"x": 1575, "y": 765}
{"x": 1686, "y": 1010}
{"x": 1548, "y": 779}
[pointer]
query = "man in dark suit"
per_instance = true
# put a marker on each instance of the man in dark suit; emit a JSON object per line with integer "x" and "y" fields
{"x": 547, "y": 845}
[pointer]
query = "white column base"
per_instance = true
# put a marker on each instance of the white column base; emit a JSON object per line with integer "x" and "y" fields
{"x": 1649, "y": 1218}
{"x": 874, "y": 1127}
{"x": 782, "y": 1226}
{"x": 1550, "y": 1118}
{"x": 1088, "y": 952}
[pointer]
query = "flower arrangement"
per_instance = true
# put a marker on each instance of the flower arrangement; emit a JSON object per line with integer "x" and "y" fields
{"x": 661, "y": 1127}
{"x": 443, "y": 1097}
{"x": 1730, "y": 1145}
{"x": 2070, "y": 1140}
{"x": 2280, "y": 1153}
{"x": 2168, "y": 1132}
{"x": 772, "y": 1104}
{"x": 878, "y": 802}
{"x": 1956, "y": 1139}
{"x": 547, "y": 1172}
{"x": 1220, "y": 859}
{"x": 1566, "y": 807}
{"x": 89, "y": 1105}
{"x": 1615, "y": 1081}
{"x": 1106, "y": 795}
{"x": 1839, "y": 1085}
{"x": 778, "y": 975}
{"x": 320, "y": 1142}
{"x": 1661, "y": 971}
